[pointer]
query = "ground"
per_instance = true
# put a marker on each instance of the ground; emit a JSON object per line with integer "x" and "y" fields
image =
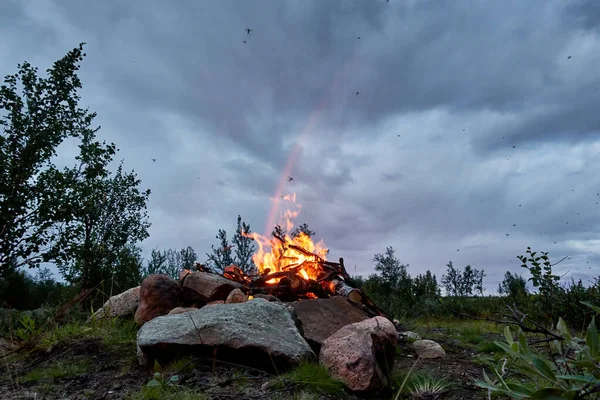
{"x": 78, "y": 362}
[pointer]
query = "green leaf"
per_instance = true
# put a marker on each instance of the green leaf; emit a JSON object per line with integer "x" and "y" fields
{"x": 486, "y": 378}
{"x": 548, "y": 394}
{"x": 592, "y": 337}
{"x": 153, "y": 382}
{"x": 507, "y": 349}
{"x": 590, "y": 305}
{"x": 523, "y": 343}
{"x": 562, "y": 328}
{"x": 578, "y": 378}
{"x": 508, "y": 335}
{"x": 543, "y": 368}
{"x": 157, "y": 367}
{"x": 519, "y": 389}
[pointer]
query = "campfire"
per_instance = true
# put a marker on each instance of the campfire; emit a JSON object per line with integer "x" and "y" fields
{"x": 295, "y": 268}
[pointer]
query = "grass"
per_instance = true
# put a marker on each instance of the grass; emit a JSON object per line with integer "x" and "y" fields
{"x": 59, "y": 370}
{"x": 422, "y": 384}
{"x": 458, "y": 325}
{"x": 310, "y": 377}
{"x": 166, "y": 393}
{"x": 59, "y": 333}
{"x": 489, "y": 347}
{"x": 115, "y": 333}
{"x": 181, "y": 366}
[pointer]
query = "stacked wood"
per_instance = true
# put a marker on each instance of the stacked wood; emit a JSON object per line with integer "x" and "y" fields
{"x": 290, "y": 285}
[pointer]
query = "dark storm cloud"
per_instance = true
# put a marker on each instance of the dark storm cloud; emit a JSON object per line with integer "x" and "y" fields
{"x": 402, "y": 117}
{"x": 585, "y": 13}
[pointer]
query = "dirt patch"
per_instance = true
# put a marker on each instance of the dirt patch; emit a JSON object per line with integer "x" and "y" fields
{"x": 84, "y": 369}
{"x": 459, "y": 367}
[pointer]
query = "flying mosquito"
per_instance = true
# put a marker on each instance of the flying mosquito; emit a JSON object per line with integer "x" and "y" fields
{"x": 248, "y": 31}
{"x": 290, "y": 179}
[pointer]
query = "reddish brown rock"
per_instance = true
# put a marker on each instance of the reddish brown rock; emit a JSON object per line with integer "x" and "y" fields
{"x": 236, "y": 296}
{"x": 159, "y": 294}
{"x": 181, "y": 310}
{"x": 361, "y": 355}
{"x": 205, "y": 287}
{"x": 321, "y": 318}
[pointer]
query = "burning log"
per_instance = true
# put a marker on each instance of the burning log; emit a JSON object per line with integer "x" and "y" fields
{"x": 234, "y": 273}
{"x": 337, "y": 286}
{"x": 291, "y": 272}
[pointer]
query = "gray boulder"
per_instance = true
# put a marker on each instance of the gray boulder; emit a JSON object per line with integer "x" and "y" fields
{"x": 256, "y": 333}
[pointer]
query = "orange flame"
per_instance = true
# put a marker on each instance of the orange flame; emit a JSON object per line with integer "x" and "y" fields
{"x": 276, "y": 256}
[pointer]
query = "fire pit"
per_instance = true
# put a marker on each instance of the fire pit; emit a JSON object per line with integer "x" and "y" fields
{"x": 295, "y": 306}
{"x": 295, "y": 269}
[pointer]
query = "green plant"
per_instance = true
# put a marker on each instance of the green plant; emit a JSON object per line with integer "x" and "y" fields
{"x": 406, "y": 378}
{"x": 59, "y": 333}
{"x": 166, "y": 393}
{"x": 58, "y": 370}
{"x": 573, "y": 373}
{"x": 28, "y": 328}
{"x": 427, "y": 386}
{"x": 310, "y": 377}
{"x": 555, "y": 300}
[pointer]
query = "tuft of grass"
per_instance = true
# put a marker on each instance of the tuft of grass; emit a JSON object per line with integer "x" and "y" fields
{"x": 115, "y": 333}
{"x": 58, "y": 333}
{"x": 422, "y": 385}
{"x": 166, "y": 393}
{"x": 310, "y": 377}
{"x": 58, "y": 370}
{"x": 181, "y": 366}
{"x": 118, "y": 333}
{"x": 427, "y": 387}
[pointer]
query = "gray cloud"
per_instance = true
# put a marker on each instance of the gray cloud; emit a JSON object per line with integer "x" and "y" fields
{"x": 401, "y": 137}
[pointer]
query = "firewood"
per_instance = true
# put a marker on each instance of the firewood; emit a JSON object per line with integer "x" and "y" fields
{"x": 339, "y": 287}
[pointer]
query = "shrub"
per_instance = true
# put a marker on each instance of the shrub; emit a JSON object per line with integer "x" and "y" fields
{"x": 574, "y": 372}
{"x": 555, "y": 300}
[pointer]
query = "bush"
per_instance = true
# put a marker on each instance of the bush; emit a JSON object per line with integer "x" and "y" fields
{"x": 555, "y": 300}
{"x": 573, "y": 373}
{"x": 22, "y": 291}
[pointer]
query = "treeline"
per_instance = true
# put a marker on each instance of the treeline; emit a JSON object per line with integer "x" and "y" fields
{"x": 407, "y": 297}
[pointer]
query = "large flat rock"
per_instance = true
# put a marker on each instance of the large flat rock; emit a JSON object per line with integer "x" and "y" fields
{"x": 321, "y": 318}
{"x": 256, "y": 333}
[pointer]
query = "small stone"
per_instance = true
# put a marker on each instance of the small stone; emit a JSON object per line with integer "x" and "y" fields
{"x": 236, "y": 296}
{"x": 428, "y": 349}
{"x": 410, "y": 335}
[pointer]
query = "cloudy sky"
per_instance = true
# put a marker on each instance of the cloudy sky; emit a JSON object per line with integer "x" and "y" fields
{"x": 456, "y": 130}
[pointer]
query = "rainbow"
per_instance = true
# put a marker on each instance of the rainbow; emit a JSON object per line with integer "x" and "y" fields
{"x": 293, "y": 157}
